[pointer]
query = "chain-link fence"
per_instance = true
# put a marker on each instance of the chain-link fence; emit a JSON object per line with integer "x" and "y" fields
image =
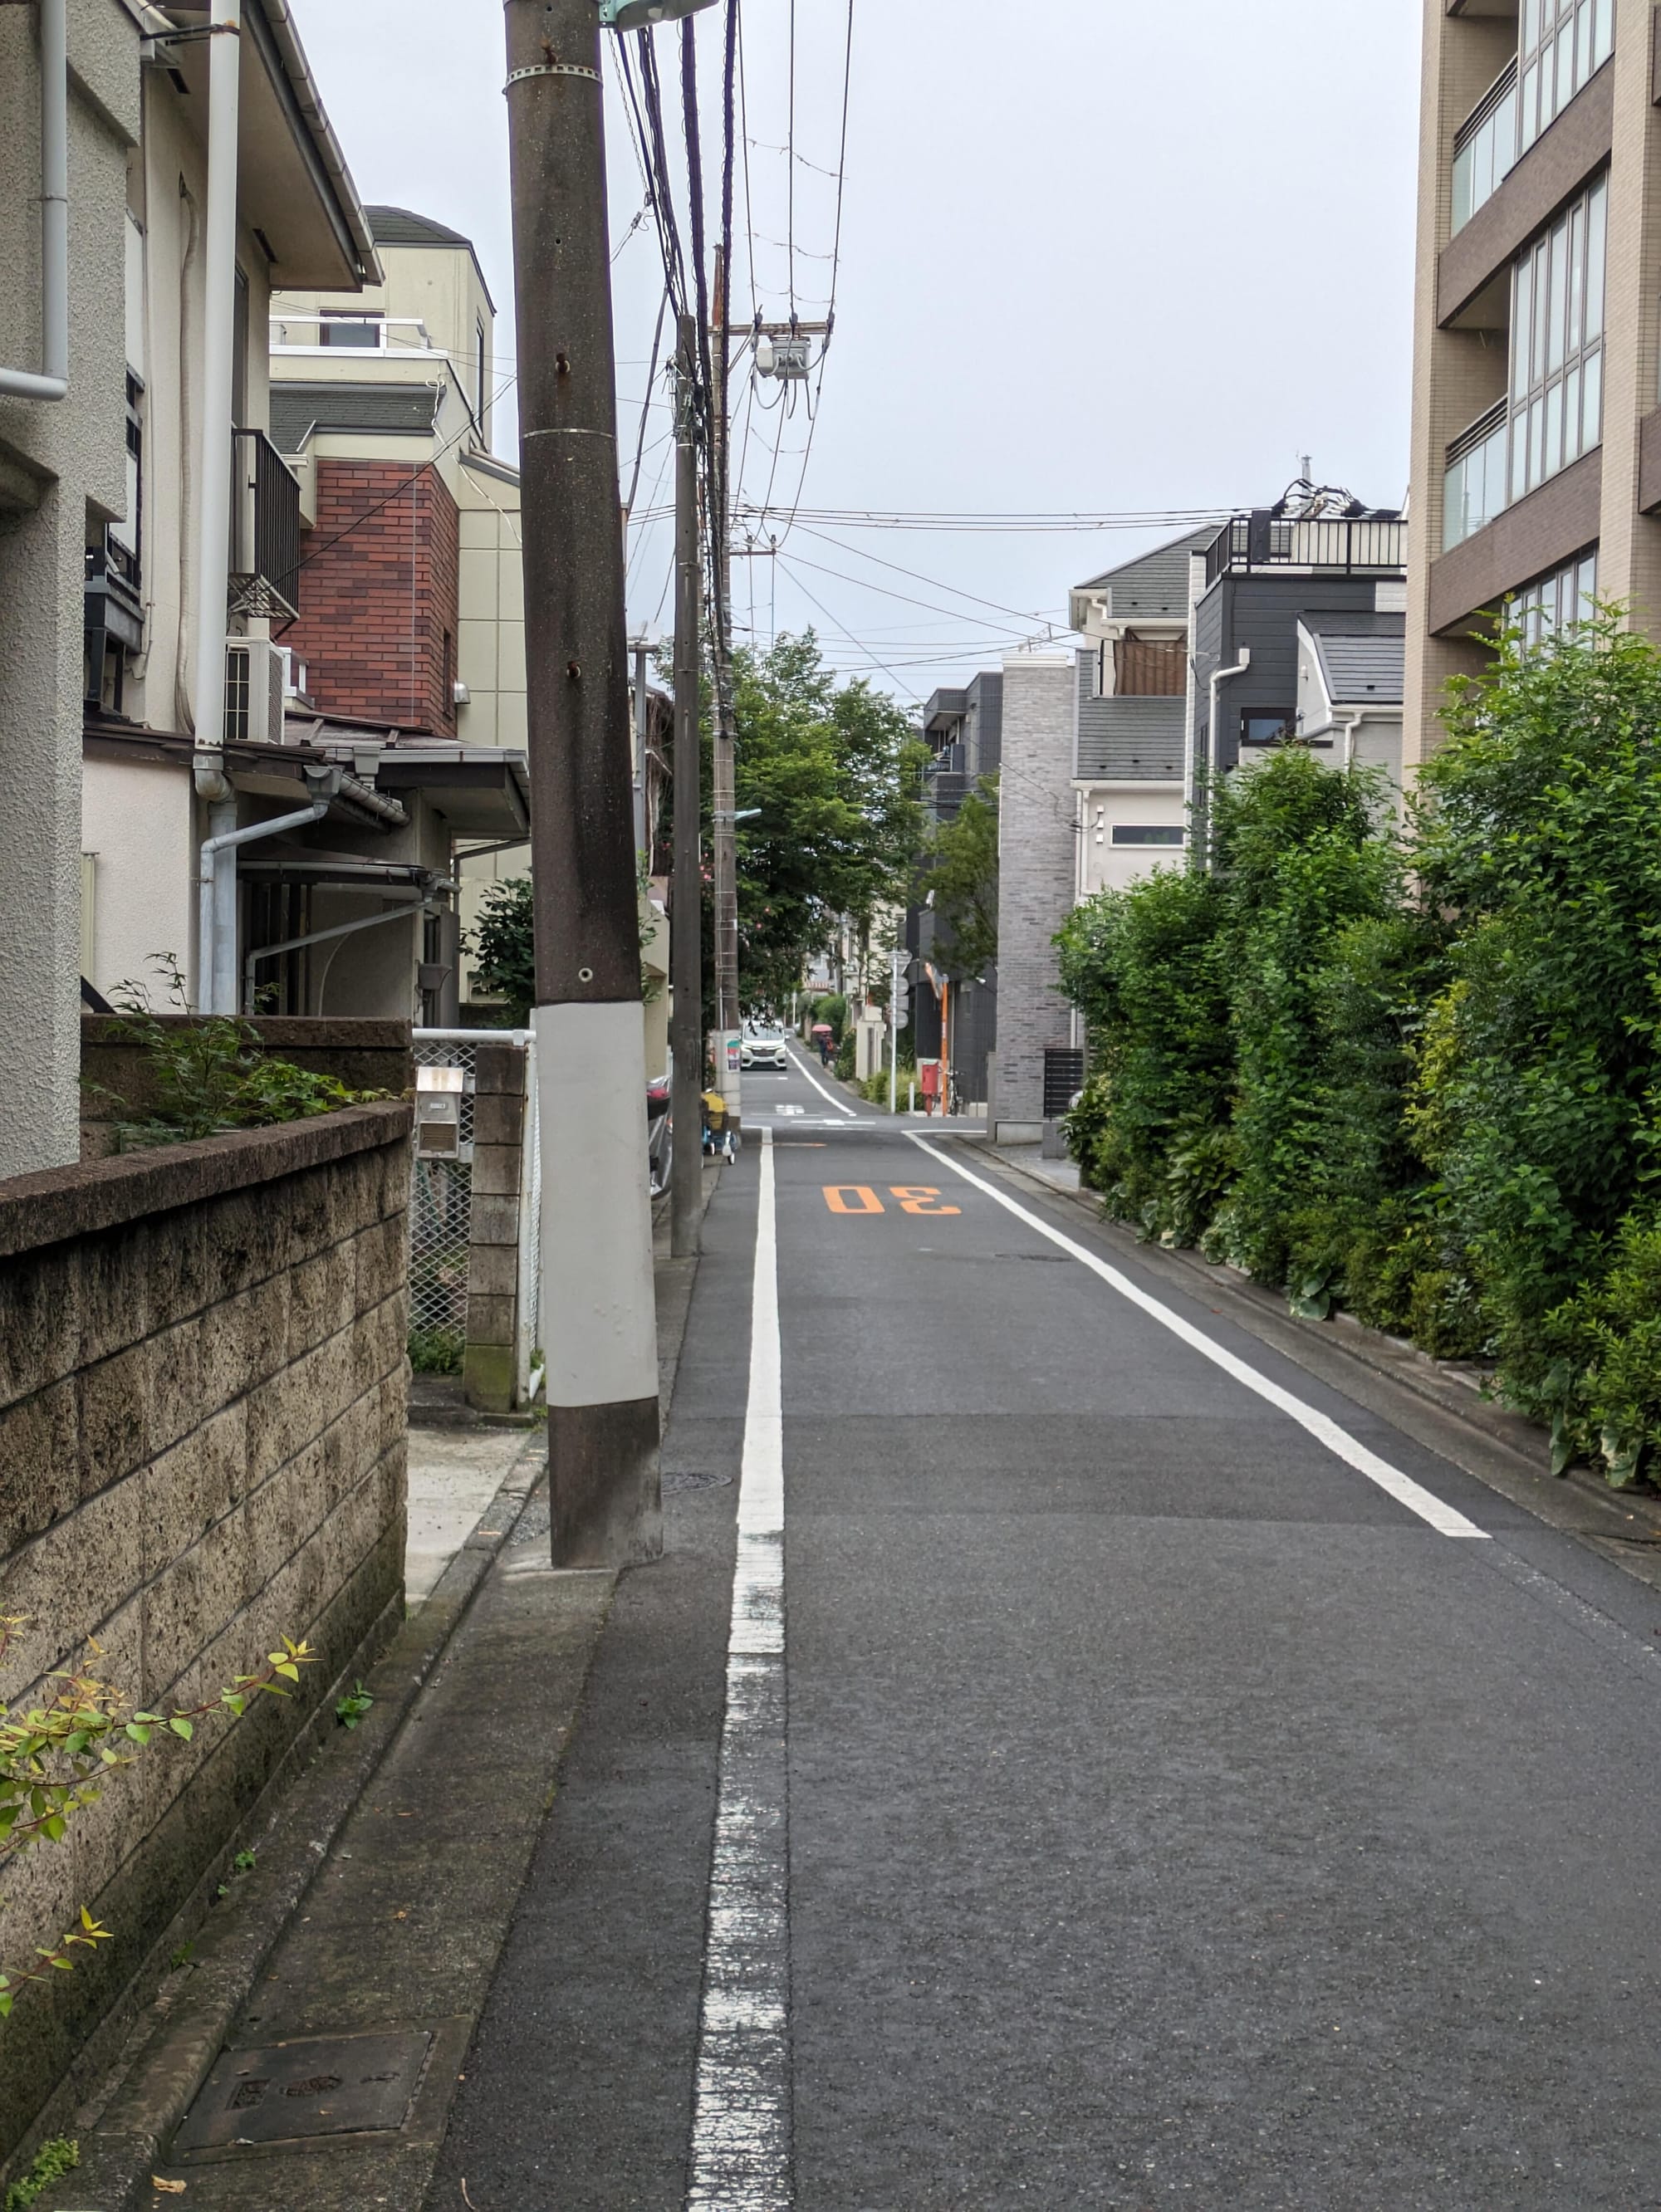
{"x": 441, "y": 1225}
{"x": 441, "y": 1220}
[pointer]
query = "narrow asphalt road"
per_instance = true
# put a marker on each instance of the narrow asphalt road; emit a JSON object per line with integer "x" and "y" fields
{"x": 1194, "y": 1792}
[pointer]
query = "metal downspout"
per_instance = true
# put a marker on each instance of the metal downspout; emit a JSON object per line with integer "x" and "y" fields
{"x": 427, "y": 904}
{"x": 214, "y": 426}
{"x": 53, "y": 381}
{"x": 216, "y": 952}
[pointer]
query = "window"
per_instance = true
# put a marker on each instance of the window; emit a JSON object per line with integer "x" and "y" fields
{"x": 1551, "y": 605}
{"x": 342, "y": 327}
{"x": 1560, "y": 45}
{"x": 1138, "y": 833}
{"x": 449, "y": 677}
{"x": 1474, "y": 490}
{"x": 1262, "y": 726}
{"x": 1485, "y": 147}
{"x": 480, "y": 369}
{"x": 1557, "y": 343}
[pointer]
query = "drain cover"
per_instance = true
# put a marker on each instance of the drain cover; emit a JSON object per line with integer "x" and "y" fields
{"x": 327, "y": 2086}
{"x": 673, "y": 1482}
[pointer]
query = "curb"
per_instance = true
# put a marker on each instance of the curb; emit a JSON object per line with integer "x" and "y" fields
{"x": 1519, "y": 1442}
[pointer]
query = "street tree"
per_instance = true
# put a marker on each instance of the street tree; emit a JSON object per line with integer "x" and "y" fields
{"x": 961, "y": 876}
{"x": 829, "y": 776}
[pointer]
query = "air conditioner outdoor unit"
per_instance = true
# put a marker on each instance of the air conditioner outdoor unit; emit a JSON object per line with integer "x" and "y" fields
{"x": 253, "y": 692}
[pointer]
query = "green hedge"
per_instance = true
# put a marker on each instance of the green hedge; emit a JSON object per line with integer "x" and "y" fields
{"x": 1414, "y": 1070}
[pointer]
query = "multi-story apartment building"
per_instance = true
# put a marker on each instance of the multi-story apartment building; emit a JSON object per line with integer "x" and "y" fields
{"x": 1537, "y": 402}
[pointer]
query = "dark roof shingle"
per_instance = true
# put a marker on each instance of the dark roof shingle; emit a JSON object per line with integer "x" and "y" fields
{"x": 392, "y": 409}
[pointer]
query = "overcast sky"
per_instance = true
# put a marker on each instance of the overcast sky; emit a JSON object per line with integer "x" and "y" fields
{"x": 1116, "y": 256}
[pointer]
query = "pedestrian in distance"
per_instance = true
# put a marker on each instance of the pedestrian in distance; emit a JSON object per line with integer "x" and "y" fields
{"x": 824, "y": 1037}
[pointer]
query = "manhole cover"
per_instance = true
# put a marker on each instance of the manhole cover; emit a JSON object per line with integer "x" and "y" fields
{"x": 672, "y": 1482}
{"x": 328, "y": 2086}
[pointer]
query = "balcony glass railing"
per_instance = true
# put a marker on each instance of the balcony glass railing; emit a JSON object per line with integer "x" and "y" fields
{"x": 1484, "y": 150}
{"x": 1474, "y": 490}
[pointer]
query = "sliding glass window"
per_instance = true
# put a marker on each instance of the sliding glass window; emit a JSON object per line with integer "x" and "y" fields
{"x": 1560, "y": 44}
{"x": 1557, "y": 343}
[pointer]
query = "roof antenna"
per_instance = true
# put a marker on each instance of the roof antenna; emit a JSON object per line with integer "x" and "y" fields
{"x": 1306, "y": 469}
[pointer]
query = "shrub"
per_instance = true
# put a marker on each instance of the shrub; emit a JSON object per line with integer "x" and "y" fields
{"x": 1145, "y": 967}
{"x": 847, "y": 1057}
{"x": 212, "y": 1076}
{"x": 55, "y": 1756}
{"x": 438, "y": 1351}
{"x": 1540, "y": 826}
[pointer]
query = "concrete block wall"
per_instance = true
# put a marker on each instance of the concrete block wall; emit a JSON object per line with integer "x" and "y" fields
{"x": 203, "y": 1432}
{"x": 119, "y": 1076}
{"x": 1037, "y": 864}
{"x": 491, "y": 1364}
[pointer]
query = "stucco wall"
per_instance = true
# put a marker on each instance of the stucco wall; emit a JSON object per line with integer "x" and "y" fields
{"x": 202, "y": 1428}
{"x": 1104, "y": 866}
{"x": 58, "y": 464}
{"x": 137, "y": 826}
{"x": 171, "y": 206}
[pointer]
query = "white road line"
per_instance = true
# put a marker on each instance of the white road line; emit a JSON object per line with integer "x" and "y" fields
{"x": 1401, "y": 1487}
{"x": 841, "y": 1104}
{"x": 741, "y": 2120}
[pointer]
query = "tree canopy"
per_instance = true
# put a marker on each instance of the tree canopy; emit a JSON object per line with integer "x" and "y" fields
{"x": 963, "y": 876}
{"x": 834, "y": 771}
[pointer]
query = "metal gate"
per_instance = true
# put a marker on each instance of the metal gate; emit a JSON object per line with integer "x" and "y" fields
{"x": 441, "y": 1217}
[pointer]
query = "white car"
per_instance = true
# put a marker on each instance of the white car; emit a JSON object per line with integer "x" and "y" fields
{"x": 764, "y": 1048}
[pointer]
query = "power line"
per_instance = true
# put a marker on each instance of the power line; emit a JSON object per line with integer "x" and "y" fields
{"x": 417, "y": 470}
{"x": 918, "y": 577}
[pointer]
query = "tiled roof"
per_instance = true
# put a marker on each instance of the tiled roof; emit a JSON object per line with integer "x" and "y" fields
{"x": 299, "y": 410}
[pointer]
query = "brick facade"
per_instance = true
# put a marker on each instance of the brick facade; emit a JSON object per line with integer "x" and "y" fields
{"x": 379, "y": 595}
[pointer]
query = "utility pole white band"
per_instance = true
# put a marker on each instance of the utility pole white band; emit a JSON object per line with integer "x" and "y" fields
{"x": 599, "y": 1310}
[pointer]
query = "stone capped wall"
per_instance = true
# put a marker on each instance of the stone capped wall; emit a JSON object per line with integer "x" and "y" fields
{"x": 202, "y": 1431}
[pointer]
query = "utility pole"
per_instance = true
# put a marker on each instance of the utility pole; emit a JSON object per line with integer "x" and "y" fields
{"x": 599, "y": 1319}
{"x": 686, "y": 926}
{"x": 724, "y": 780}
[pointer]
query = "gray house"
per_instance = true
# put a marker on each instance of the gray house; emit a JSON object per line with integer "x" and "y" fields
{"x": 1339, "y": 573}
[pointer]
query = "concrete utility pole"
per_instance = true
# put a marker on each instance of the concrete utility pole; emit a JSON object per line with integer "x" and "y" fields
{"x": 599, "y": 1318}
{"x": 725, "y": 781}
{"x": 686, "y": 926}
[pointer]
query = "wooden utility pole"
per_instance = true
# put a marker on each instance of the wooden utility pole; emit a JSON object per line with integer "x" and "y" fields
{"x": 597, "y": 1316}
{"x": 725, "y": 781}
{"x": 686, "y": 924}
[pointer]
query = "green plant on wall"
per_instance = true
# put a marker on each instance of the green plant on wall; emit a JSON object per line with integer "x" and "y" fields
{"x": 56, "y": 1756}
{"x": 211, "y": 1075}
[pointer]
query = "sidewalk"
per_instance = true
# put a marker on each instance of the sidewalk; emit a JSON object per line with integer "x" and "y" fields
{"x": 330, "y": 2000}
